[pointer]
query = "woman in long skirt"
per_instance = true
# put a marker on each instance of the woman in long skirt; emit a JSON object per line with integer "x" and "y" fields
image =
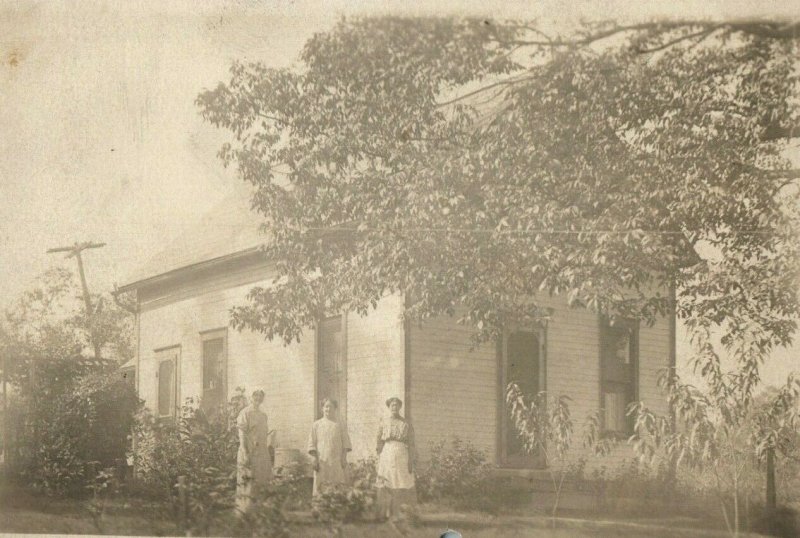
{"x": 396, "y": 461}
{"x": 254, "y": 463}
{"x": 328, "y": 444}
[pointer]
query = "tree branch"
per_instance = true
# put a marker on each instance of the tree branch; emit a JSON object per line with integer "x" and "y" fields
{"x": 271, "y": 118}
{"x": 702, "y": 33}
{"x": 591, "y": 38}
{"x": 760, "y": 28}
{"x": 508, "y": 81}
{"x": 778, "y": 132}
{"x": 770, "y": 29}
{"x": 789, "y": 174}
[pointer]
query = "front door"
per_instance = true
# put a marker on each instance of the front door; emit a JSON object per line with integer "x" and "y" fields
{"x": 523, "y": 364}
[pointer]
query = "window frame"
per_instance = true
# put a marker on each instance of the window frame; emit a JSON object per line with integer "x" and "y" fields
{"x": 632, "y": 385}
{"x": 207, "y": 336}
{"x": 162, "y": 355}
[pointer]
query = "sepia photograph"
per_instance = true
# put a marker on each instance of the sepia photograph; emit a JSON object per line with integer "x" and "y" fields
{"x": 329, "y": 268}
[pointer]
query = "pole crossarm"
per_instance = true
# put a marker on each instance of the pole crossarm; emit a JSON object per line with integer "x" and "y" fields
{"x": 75, "y": 251}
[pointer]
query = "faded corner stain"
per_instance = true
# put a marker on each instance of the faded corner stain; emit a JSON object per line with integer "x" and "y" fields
{"x": 14, "y": 58}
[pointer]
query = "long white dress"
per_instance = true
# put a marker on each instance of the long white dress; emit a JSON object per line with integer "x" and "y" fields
{"x": 396, "y": 457}
{"x": 330, "y": 442}
{"x": 252, "y": 422}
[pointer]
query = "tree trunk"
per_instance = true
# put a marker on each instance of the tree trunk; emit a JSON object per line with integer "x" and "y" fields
{"x": 772, "y": 496}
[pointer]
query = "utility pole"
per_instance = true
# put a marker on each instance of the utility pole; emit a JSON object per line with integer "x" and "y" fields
{"x": 75, "y": 251}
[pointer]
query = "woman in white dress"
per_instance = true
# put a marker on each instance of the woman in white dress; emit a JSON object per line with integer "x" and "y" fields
{"x": 328, "y": 444}
{"x": 396, "y": 461}
{"x": 254, "y": 463}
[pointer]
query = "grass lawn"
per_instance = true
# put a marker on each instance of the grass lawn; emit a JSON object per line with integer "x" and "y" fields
{"x": 23, "y": 512}
{"x": 33, "y": 521}
{"x": 494, "y": 531}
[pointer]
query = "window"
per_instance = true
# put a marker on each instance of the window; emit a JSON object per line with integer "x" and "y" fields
{"x": 214, "y": 369}
{"x": 618, "y": 374}
{"x": 331, "y": 362}
{"x": 166, "y": 377}
{"x": 522, "y": 361}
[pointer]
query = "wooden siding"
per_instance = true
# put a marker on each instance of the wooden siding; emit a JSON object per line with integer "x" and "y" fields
{"x": 177, "y": 314}
{"x": 375, "y": 371}
{"x": 454, "y": 388}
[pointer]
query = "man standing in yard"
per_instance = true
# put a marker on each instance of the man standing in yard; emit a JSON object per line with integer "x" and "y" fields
{"x": 254, "y": 463}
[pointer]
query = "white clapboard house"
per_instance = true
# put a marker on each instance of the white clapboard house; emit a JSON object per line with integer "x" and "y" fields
{"x": 185, "y": 348}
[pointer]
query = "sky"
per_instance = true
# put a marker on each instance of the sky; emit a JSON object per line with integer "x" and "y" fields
{"x": 100, "y": 136}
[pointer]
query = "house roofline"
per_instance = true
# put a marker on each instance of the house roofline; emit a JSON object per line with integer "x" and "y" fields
{"x": 191, "y": 268}
{"x": 338, "y": 232}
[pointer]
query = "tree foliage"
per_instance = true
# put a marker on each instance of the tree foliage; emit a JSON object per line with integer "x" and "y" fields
{"x": 464, "y": 163}
{"x": 477, "y": 166}
{"x": 69, "y": 409}
{"x": 724, "y": 431}
{"x": 50, "y": 321}
{"x": 545, "y": 427}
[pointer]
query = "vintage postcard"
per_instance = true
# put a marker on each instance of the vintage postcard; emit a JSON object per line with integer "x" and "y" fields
{"x": 329, "y": 268}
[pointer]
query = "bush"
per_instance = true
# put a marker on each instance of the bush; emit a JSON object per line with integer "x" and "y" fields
{"x": 265, "y": 519}
{"x": 345, "y": 503}
{"x": 364, "y": 473}
{"x": 101, "y": 486}
{"x": 201, "y": 446}
{"x": 82, "y": 415}
{"x": 158, "y": 456}
{"x": 458, "y": 475}
{"x": 342, "y": 504}
{"x": 633, "y": 488}
{"x": 197, "y": 445}
{"x": 293, "y": 484}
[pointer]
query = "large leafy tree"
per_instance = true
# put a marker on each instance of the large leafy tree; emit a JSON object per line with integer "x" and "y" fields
{"x": 476, "y": 164}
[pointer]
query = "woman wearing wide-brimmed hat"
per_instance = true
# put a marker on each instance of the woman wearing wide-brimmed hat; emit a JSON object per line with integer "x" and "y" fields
{"x": 396, "y": 461}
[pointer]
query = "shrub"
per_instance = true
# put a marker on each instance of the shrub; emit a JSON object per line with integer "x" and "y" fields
{"x": 70, "y": 406}
{"x": 458, "y": 474}
{"x": 292, "y": 483}
{"x": 101, "y": 486}
{"x": 198, "y": 445}
{"x": 364, "y": 473}
{"x": 158, "y": 456}
{"x": 343, "y": 503}
{"x": 210, "y": 494}
{"x": 83, "y": 413}
{"x": 265, "y": 519}
{"x": 631, "y": 482}
{"x": 201, "y": 446}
